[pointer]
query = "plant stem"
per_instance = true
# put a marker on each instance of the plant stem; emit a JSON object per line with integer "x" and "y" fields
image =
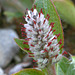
{"x": 49, "y": 70}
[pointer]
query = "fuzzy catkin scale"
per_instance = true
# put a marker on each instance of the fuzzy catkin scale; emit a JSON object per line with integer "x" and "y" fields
{"x": 42, "y": 42}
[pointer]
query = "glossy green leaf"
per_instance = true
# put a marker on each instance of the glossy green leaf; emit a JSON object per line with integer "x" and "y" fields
{"x": 64, "y": 67}
{"x": 48, "y": 8}
{"x": 66, "y": 10}
{"x": 21, "y": 45}
{"x": 73, "y": 58}
{"x": 30, "y": 72}
{"x": 73, "y": 61}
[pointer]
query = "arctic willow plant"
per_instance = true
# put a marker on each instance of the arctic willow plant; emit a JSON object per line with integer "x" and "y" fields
{"x": 42, "y": 42}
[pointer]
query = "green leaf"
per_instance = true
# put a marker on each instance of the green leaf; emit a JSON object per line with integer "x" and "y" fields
{"x": 48, "y": 8}
{"x": 12, "y": 15}
{"x": 9, "y": 13}
{"x": 64, "y": 67}
{"x": 21, "y": 45}
{"x": 30, "y": 72}
{"x": 66, "y": 10}
{"x": 73, "y": 58}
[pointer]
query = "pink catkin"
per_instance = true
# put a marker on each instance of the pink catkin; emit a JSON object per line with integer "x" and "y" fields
{"x": 35, "y": 48}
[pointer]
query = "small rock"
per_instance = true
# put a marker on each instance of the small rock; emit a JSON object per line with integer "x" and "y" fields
{"x": 2, "y": 72}
{"x": 8, "y": 47}
{"x": 19, "y": 67}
